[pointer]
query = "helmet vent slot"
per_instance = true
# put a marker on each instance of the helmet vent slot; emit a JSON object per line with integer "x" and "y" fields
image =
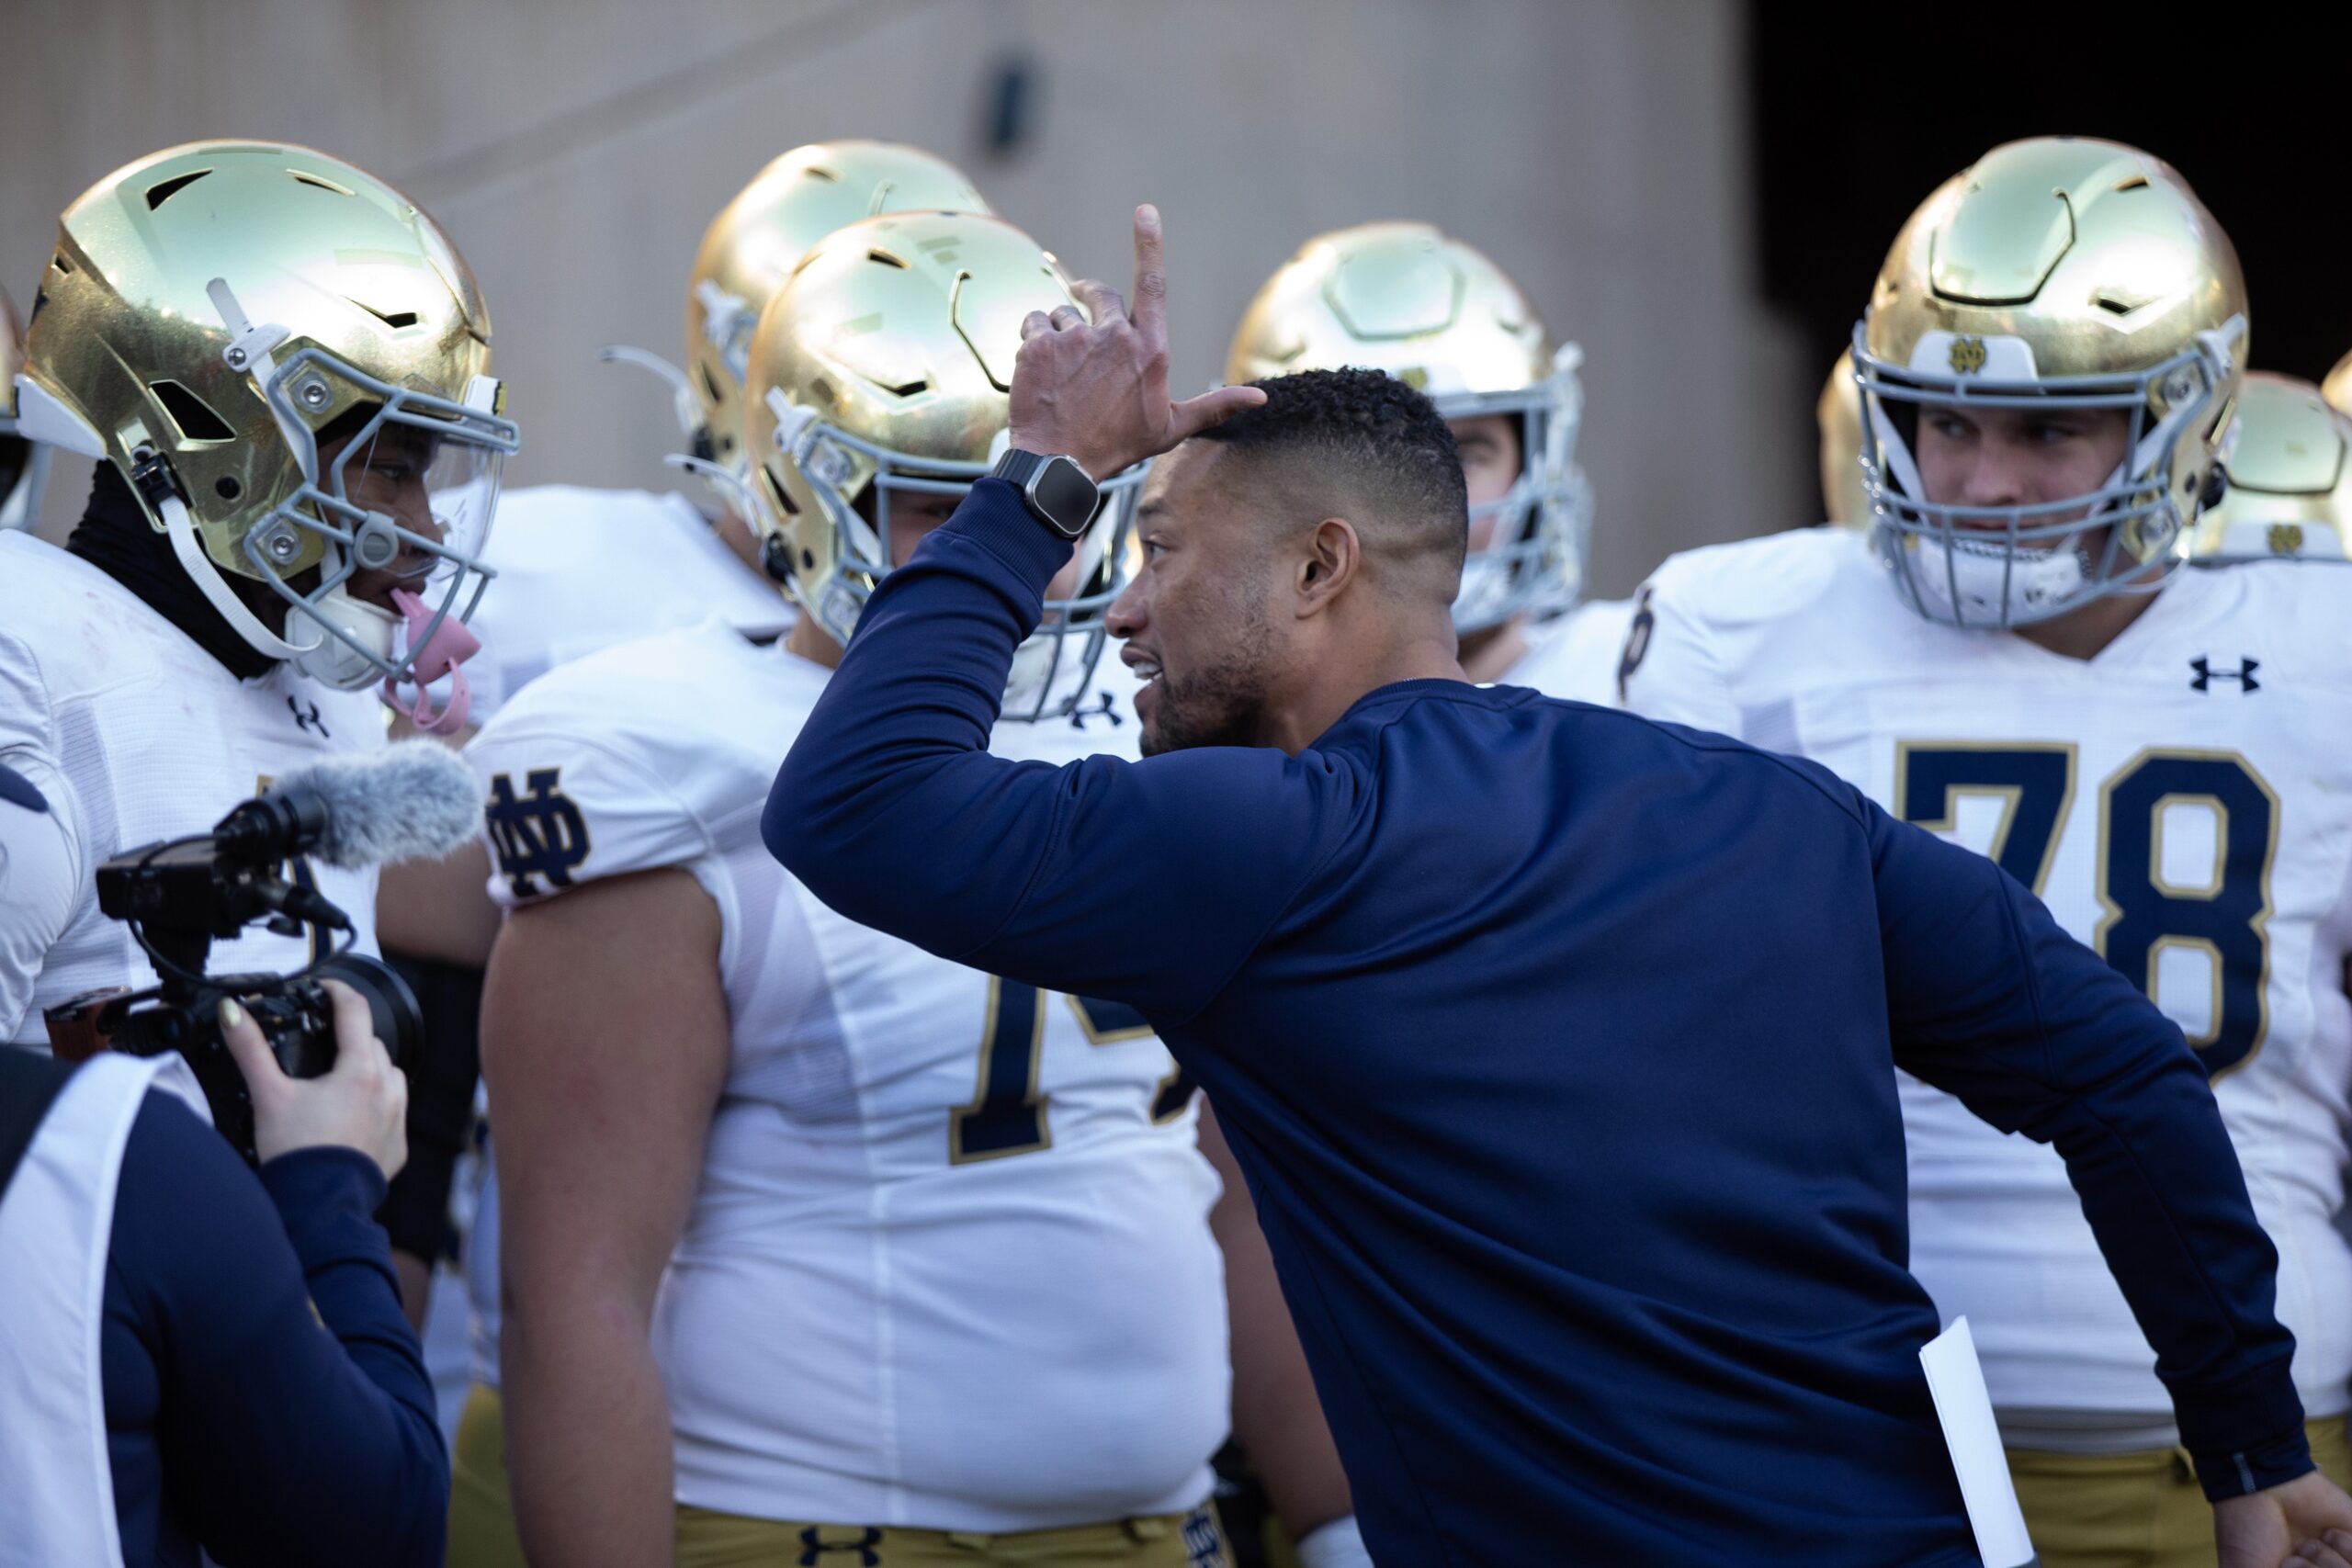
{"x": 827, "y": 175}
{"x": 709, "y": 384}
{"x": 62, "y": 263}
{"x": 165, "y": 190}
{"x": 320, "y": 181}
{"x": 887, "y": 259}
{"x": 393, "y": 318}
{"x": 2137, "y": 182}
{"x": 905, "y": 389}
{"x": 776, "y": 496}
{"x": 197, "y": 422}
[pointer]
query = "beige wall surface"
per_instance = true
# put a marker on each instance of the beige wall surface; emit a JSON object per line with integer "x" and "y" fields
{"x": 575, "y": 150}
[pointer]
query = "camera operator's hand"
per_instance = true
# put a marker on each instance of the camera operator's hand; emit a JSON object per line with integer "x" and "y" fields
{"x": 362, "y": 1104}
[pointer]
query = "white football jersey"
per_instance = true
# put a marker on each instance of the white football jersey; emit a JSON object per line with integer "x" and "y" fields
{"x": 2183, "y": 803}
{"x": 136, "y": 735}
{"x": 1574, "y": 656}
{"x": 949, "y": 1264}
{"x": 580, "y": 568}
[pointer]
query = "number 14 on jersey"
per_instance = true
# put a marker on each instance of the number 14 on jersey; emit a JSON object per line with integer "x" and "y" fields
{"x": 1007, "y": 1116}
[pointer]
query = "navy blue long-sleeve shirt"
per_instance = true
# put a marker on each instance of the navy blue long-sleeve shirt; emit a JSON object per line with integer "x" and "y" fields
{"x": 1558, "y": 1049}
{"x": 264, "y": 1398}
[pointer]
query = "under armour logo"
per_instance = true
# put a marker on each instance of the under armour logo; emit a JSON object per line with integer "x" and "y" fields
{"x": 310, "y": 720}
{"x": 1079, "y": 716}
{"x": 539, "y": 834}
{"x": 2242, "y": 676}
{"x": 814, "y": 1546}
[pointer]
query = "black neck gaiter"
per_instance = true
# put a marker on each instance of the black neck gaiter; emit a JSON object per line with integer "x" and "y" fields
{"x": 116, "y": 537}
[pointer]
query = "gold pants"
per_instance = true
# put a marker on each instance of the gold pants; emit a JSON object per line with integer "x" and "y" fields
{"x": 708, "y": 1539}
{"x": 482, "y": 1504}
{"x": 483, "y": 1533}
{"x": 2136, "y": 1510}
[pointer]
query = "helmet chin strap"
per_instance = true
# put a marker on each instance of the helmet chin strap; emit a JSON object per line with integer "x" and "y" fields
{"x": 180, "y": 528}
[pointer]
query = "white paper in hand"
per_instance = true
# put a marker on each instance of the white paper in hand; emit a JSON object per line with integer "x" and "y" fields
{"x": 1966, "y": 1412}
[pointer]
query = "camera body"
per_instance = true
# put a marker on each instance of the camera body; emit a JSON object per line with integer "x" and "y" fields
{"x": 180, "y": 897}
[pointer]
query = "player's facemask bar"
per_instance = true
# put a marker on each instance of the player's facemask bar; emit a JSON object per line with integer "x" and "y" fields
{"x": 1533, "y": 563}
{"x": 411, "y": 488}
{"x": 1054, "y": 664}
{"x": 1990, "y": 567}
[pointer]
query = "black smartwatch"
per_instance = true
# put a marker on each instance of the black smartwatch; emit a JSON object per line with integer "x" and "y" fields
{"x": 1056, "y": 490}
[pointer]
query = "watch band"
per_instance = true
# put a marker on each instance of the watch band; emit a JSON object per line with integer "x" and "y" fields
{"x": 1057, "y": 492}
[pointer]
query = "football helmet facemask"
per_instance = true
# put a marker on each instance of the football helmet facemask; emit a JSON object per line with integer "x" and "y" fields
{"x": 880, "y": 370}
{"x": 289, "y": 363}
{"x": 1438, "y": 315}
{"x": 2056, "y": 272}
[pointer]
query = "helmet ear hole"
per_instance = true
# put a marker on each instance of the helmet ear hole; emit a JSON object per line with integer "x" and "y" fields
{"x": 192, "y": 416}
{"x": 775, "y": 559}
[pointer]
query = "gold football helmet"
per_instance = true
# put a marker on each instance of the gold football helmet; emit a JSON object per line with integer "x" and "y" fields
{"x": 24, "y": 465}
{"x": 1438, "y": 315}
{"x": 2059, "y": 271}
{"x": 2289, "y": 467}
{"x": 758, "y": 238}
{"x": 269, "y": 343}
{"x": 2337, "y": 388}
{"x": 1839, "y": 414}
{"x": 880, "y": 369}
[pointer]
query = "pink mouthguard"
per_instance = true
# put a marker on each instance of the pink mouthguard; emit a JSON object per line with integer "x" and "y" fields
{"x": 450, "y": 644}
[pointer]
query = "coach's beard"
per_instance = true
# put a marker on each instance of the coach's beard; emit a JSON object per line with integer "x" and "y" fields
{"x": 1221, "y": 706}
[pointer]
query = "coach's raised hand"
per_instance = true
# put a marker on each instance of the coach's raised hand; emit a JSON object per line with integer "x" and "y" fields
{"x": 1097, "y": 391}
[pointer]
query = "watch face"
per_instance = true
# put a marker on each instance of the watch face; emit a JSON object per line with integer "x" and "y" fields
{"x": 1066, "y": 496}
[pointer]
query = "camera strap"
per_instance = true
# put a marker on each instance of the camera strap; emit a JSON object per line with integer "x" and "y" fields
{"x": 29, "y": 1083}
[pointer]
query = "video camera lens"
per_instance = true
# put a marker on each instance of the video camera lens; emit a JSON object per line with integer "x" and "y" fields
{"x": 391, "y": 1008}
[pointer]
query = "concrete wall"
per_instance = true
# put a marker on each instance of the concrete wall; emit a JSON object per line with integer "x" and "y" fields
{"x": 576, "y": 149}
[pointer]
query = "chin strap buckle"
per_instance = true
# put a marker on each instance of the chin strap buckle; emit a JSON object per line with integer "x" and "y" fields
{"x": 151, "y": 476}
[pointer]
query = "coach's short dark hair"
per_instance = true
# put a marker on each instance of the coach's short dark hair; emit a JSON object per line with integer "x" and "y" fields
{"x": 1367, "y": 446}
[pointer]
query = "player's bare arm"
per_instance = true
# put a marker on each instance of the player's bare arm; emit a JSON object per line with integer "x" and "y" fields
{"x": 605, "y": 1040}
{"x": 1275, "y": 1413}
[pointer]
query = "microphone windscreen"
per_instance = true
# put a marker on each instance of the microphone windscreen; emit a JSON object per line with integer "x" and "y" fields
{"x": 412, "y": 800}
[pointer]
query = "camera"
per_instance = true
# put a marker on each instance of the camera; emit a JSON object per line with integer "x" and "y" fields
{"x": 178, "y": 897}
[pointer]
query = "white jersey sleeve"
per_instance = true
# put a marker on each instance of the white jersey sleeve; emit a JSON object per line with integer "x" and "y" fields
{"x": 1577, "y": 656}
{"x": 563, "y": 810}
{"x": 1694, "y": 621}
{"x": 605, "y": 766}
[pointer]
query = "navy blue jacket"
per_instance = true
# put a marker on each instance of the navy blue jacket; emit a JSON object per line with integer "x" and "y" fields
{"x": 264, "y": 1397}
{"x": 1558, "y": 1048}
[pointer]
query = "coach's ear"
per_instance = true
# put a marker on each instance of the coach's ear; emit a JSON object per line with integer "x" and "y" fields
{"x": 1331, "y": 560}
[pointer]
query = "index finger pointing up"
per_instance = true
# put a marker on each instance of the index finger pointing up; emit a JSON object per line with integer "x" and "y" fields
{"x": 1149, "y": 312}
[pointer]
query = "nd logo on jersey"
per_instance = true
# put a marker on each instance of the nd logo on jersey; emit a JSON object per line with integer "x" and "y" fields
{"x": 539, "y": 833}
